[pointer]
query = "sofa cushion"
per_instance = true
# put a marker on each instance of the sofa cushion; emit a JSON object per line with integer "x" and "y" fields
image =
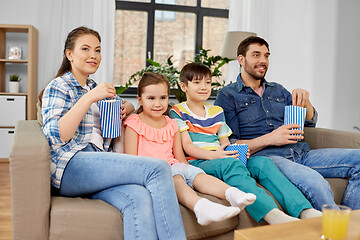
{"x": 81, "y": 218}
{"x": 196, "y": 231}
{"x": 338, "y": 186}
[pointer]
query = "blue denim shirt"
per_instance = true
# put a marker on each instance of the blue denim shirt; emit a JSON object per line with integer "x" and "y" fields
{"x": 250, "y": 116}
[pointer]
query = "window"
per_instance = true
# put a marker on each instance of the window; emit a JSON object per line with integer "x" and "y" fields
{"x": 159, "y": 29}
{"x": 130, "y": 44}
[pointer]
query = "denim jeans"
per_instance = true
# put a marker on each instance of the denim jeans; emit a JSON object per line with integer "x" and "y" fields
{"x": 307, "y": 172}
{"x": 141, "y": 188}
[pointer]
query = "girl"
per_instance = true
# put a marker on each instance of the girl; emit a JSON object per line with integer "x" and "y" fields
{"x": 152, "y": 134}
{"x": 81, "y": 162}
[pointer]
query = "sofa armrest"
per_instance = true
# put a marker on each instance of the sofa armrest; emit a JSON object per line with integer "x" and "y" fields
{"x": 329, "y": 138}
{"x": 30, "y": 182}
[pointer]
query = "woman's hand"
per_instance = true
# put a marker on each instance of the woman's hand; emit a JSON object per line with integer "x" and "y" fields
{"x": 123, "y": 112}
{"x": 126, "y": 109}
{"x": 103, "y": 90}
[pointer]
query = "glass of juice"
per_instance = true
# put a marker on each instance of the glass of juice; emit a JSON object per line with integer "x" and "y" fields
{"x": 335, "y": 221}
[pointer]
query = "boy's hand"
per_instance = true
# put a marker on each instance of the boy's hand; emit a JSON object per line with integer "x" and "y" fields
{"x": 221, "y": 153}
{"x": 248, "y": 154}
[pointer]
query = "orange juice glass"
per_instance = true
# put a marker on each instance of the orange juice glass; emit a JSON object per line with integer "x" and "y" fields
{"x": 335, "y": 221}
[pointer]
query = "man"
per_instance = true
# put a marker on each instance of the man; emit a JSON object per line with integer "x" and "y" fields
{"x": 254, "y": 110}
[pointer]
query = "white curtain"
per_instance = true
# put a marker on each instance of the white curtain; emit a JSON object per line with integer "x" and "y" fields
{"x": 248, "y": 16}
{"x": 59, "y": 18}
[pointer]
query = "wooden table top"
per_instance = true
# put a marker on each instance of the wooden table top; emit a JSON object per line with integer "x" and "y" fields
{"x": 307, "y": 229}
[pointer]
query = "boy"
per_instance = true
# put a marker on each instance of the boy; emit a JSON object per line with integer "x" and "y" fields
{"x": 204, "y": 135}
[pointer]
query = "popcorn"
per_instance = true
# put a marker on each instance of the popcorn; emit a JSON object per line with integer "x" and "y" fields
{"x": 110, "y": 118}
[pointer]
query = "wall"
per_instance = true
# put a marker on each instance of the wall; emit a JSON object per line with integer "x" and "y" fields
{"x": 54, "y": 20}
{"x": 33, "y": 13}
{"x": 312, "y": 46}
{"x": 347, "y": 82}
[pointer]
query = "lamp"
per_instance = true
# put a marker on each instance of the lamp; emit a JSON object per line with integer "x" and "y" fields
{"x": 232, "y": 41}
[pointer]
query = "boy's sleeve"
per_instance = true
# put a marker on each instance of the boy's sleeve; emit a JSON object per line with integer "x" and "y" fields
{"x": 176, "y": 114}
{"x": 224, "y": 130}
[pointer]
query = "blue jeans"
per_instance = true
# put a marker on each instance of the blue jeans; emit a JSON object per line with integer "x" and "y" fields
{"x": 141, "y": 188}
{"x": 307, "y": 172}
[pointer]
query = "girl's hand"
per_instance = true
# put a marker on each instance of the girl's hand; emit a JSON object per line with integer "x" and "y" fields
{"x": 248, "y": 154}
{"x": 103, "y": 90}
{"x": 221, "y": 153}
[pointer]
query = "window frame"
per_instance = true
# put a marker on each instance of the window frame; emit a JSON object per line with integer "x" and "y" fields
{"x": 151, "y": 7}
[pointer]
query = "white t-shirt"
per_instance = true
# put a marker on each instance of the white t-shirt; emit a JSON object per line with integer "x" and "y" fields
{"x": 96, "y": 137}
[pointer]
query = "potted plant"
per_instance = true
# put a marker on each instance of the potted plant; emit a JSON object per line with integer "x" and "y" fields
{"x": 14, "y": 83}
{"x": 172, "y": 73}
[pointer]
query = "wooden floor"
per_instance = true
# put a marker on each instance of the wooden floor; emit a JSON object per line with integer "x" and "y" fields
{"x": 5, "y": 201}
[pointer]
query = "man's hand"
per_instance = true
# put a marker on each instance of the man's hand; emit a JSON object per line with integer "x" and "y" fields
{"x": 286, "y": 135}
{"x": 300, "y": 97}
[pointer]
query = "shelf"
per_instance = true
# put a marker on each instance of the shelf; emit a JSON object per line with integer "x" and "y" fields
{"x": 15, "y": 28}
{"x": 30, "y": 62}
{"x": 17, "y": 106}
{"x": 13, "y": 94}
{"x": 13, "y": 61}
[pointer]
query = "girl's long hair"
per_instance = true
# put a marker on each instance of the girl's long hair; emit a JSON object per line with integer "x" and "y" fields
{"x": 150, "y": 78}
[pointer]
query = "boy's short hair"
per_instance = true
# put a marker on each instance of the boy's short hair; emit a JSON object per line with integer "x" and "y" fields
{"x": 244, "y": 45}
{"x": 194, "y": 70}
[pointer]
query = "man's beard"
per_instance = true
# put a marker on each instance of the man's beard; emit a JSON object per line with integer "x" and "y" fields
{"x": 254, "y": 74}
{"x": 257, "y": 76}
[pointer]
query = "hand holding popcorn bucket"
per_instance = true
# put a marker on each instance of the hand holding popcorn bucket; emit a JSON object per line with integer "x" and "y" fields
{"x": 295, "y": 114}
{"x": 242, "y": 151}
{"x": 110, "y": 117}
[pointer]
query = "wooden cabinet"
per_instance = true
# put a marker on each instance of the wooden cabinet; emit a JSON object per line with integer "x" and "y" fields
{"x": 17, "y": 106}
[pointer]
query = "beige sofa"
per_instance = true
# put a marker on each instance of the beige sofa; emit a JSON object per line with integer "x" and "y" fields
{"x": 37, "y": 215}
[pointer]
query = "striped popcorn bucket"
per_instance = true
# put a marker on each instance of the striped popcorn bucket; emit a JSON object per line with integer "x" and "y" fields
{"x": 110, "y": 118}
{"x": 295, "y": 114}
{"x": 242, "y": 151}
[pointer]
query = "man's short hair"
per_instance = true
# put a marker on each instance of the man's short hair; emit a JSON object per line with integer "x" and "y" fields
{"x": 194, "y": 70}
{"x": 244, "y": 45}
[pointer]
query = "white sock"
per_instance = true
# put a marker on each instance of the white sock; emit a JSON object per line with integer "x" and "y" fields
{"x": 238, "y": 198}
{"x": 207, "y": 211}
{"x": 276, "y": 216}
{"x": 310, "y": 213}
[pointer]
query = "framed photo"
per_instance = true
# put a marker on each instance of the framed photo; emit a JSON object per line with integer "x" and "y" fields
{"x": 14, "y": 52}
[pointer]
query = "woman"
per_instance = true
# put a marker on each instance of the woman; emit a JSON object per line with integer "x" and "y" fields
{"x": 81, "y": 161}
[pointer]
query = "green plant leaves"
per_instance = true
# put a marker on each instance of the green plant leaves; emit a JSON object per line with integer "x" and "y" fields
{"x": 172, "y": 73}
{"x": 15, "y": 78}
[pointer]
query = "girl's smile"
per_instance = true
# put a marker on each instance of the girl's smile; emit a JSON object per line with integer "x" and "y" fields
{"x": 154, "y": 100}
